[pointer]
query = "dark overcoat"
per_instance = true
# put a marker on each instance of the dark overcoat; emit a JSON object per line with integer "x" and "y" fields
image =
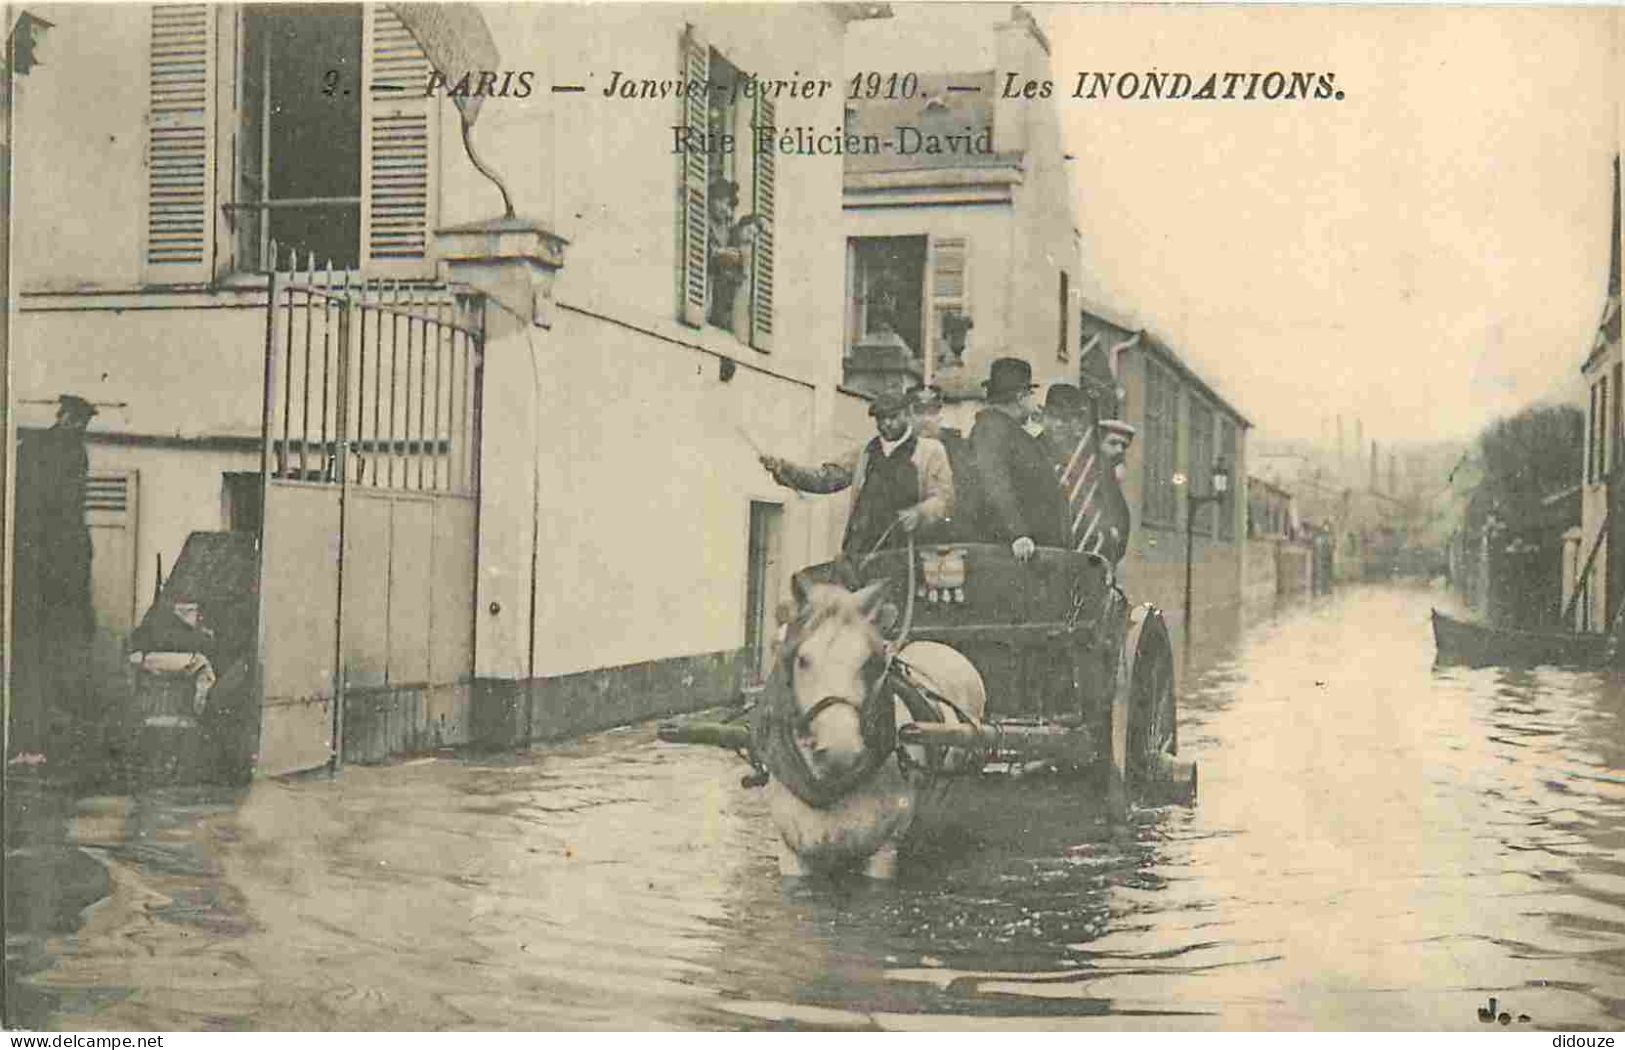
{"x": 1020, "y": 495}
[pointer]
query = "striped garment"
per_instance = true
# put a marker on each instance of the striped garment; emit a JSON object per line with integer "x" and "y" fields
{"x": 1080, "y": 480}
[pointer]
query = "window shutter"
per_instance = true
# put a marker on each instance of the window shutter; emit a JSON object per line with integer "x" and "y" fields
{"x": 399, "y": 130}
{"x": 180, "y": 145}
{"x": 950, "y": 293}
{"x": 693, "y": 223}
{"x": 762, "y": 206}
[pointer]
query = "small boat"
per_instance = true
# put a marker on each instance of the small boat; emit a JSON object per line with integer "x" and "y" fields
{"x": 1480, "y": 645}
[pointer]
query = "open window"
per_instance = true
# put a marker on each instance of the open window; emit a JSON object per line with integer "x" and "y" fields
{"x": 299, "y": 145}
{"x": 304, "y": 125}
{"x": 726, "y": 203}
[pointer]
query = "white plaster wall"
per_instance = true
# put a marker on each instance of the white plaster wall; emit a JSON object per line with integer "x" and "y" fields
{"x": 78, "y": 220}
{"x": 646, "y": 488}
{"x": 180, "y": 372}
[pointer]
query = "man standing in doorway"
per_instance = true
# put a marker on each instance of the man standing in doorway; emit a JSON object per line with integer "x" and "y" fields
{"x": 901, "y": 478}
{"x": 1022, "y": 497}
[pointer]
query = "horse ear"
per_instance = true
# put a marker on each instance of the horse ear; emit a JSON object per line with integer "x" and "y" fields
{"x": 870, "y": 599}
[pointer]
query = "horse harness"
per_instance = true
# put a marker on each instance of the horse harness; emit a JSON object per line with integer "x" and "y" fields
{"x": 778, "y": 726}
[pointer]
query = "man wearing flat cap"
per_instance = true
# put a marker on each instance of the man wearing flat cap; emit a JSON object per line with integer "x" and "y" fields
{"x": 1022, "y": 503}
{"x": 901, "y": 478}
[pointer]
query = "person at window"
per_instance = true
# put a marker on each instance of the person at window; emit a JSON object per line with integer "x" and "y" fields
{"x": 729, "y": 239}
{"x": 1022, "y": 501}
{"x": 902, "y": 479}
{"x": 927, "y": 408}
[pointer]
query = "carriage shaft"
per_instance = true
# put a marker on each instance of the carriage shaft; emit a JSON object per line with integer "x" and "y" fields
{"x": 1048, "y": 742}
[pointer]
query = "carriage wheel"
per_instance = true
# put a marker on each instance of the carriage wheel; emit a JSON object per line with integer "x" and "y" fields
{"x": 1153, "y": 726}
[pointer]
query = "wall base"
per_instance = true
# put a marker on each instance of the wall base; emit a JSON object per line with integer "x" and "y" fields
{"x": 506, "y": 712}
{"x": 381, "y": 723}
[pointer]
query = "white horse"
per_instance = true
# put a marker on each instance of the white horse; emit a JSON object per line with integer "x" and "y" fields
{"x": 842, "y": 792}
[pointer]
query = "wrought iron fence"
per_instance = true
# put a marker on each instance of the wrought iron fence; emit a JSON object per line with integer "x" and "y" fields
{"x": 372, "y": 383}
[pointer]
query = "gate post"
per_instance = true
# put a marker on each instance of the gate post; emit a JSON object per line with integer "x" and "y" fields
{"x": 512, "y": 263}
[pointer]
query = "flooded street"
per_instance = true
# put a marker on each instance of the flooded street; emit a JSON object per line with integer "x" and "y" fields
{"x": 1376, "y": 845}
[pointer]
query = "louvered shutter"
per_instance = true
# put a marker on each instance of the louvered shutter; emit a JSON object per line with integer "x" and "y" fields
{"x": 693, "y": 224}
{"x": 180, "y": 145}
{"x": 400, "y": 128}
{"x": 950, "y": 292}
{"x": 762, "y": 206}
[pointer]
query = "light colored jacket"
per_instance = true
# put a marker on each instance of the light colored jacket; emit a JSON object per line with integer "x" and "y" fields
{"x": 930, "y": 461}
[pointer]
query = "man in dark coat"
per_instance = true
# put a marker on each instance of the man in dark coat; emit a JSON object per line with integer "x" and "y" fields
{"x": 1107, "y": 533}
{"x": 54, "y": 620}
{"x": 1022, "y": 500}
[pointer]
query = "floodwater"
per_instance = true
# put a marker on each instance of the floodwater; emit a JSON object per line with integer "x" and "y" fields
{"x": 1377, "y": 845}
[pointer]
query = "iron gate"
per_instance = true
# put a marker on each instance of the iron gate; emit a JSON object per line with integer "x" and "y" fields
{"x": 370, "y": 473}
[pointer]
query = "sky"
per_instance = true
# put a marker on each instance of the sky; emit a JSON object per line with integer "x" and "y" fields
{"x": 1424, "y": 255}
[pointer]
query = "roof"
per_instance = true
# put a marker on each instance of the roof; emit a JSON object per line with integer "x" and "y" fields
{"x": 1608, "y": 327}
{"x": 1138, "y": 334}
{"x": 1177, "y": 363}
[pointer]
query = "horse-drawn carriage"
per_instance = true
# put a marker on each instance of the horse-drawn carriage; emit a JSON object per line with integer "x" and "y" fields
{"x": 952, "y": 660}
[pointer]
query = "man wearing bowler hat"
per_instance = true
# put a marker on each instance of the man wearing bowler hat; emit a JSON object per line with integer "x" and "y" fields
{"x": 1066, "y": 422}
{"x": 901, "y": 478}
{"x": 1021, "y": 497}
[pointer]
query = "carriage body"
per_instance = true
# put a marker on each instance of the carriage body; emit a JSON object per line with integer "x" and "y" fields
{"x": 1076, "y": 678}
{"x": 1045, "y": 634}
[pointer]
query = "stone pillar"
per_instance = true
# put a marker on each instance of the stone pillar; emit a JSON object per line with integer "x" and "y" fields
{"x": 511, "y": 262}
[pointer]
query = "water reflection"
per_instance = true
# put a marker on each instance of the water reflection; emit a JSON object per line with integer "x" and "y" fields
{"x": 1378, "y": 844}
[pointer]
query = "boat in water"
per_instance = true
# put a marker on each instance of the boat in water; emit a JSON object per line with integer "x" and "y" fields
{"x": 1480, "y": 645}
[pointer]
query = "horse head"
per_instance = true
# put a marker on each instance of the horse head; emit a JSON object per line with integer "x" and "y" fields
{"x": 837, "y": 656}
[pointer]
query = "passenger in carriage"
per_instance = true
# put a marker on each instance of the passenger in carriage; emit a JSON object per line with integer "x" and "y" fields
{"x": 961, "y": 523}
{"x": 901, "y": 478}
{"x": 1088, "y": 458}
{"x": 1023, "y": 505}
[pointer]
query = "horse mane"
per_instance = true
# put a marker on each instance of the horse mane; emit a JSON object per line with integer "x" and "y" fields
{"x": 826, "y": 603}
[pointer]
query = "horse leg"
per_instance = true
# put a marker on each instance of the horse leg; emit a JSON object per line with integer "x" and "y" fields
{"x": 882, "y": 864}
{"x": 790, "y": 866}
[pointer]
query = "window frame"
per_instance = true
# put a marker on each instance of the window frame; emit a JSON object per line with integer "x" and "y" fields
{"x": 693, "y": 216}
{"x": 1159, "y": 502}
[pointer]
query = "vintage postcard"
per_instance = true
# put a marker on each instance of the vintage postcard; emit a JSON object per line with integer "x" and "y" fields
{"x": 816, "y": 516}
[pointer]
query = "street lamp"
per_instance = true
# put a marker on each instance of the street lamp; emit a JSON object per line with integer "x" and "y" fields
{"x": 1218, "y": 490}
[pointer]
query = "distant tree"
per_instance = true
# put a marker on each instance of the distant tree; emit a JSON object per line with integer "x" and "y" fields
{"x": 1528, "y": 457}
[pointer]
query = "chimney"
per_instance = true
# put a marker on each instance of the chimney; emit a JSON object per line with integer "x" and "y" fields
{"x": 1022, "y": 49}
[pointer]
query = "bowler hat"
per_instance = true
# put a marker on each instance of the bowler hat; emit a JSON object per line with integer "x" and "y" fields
{"x": 1007, "y": 378}
{"x": 889, "y": 403}
{"x": 1064, "y": 399}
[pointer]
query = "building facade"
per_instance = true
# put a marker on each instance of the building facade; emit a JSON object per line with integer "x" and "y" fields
{"x": 961, "y": 228}
{"x": 1591, "y": 590}
{"x": 630, "y": 550}
{"x": 1185, "y": 430}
